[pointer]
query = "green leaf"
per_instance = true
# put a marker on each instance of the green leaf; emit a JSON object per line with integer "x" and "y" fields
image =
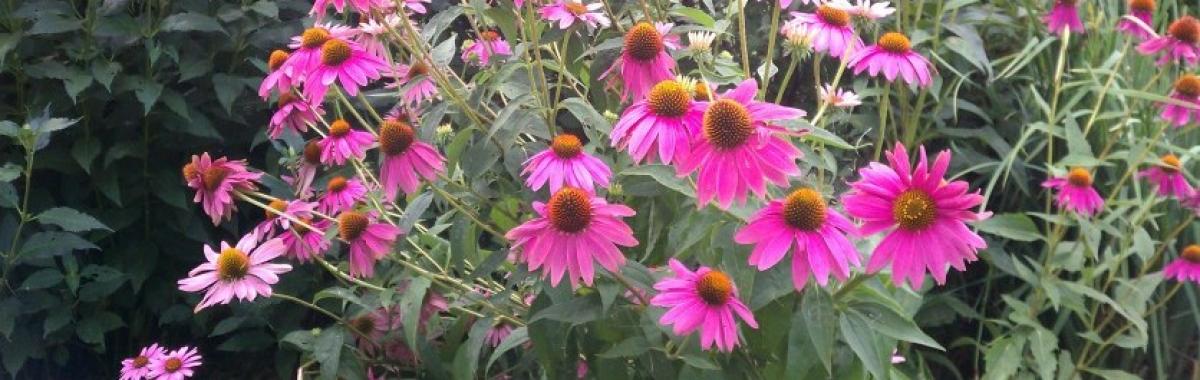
{"x": 466, "y": 359}
{"x": 9, "y": 309}
{"x": 630, "y": 347}
{"x": 327, "y": 349}
{"x": 1003, "y": 357}
{"x": 51, "y": 24}
{"x": 860, "y": 336}
{"x": 53, "y": 243}
{"x": 700, "y": 362}
{"x": 191, "y": 21}
{"x": 104, "y": 72}
{"x": 56, "y": 320}
{"x": 889, "y": 322}
{"x": 42, "y": 279}
{"x": 518, "y": 337}
{"x": 576, "y": 311}
{"x": 696, "y": 15}
{"x": 410, "y": 307}
{"x": 664, "y": 175}
{"x": 84, "y": 152}
{"x": 265, "y": 8}
{"x": 1042, "y": 344}
{"x": 587, "y": 115}
{"x": 1015, "y": 226}
{"x": 227, "y": 88}
{"x": 10, "y": 171}
{"x": 70, "y": 220}
{"x": 817, "y": 313}
{"x": 92, "y": 328}
{"x": 1112, "y": 374}
{"x": 146, "y": 90}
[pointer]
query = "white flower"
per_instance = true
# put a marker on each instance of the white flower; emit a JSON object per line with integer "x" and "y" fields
{"x": 838, "y": 97}
{"x": 701, "y": 41}
{"x": 375, "y": 28}
{"x": 799, "y": 36}
{"x": 864, "y": 8}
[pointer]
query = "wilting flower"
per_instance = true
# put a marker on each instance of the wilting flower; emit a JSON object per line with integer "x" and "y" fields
{"x": 374, "y": 326}
{"x": 1187, "y": 90}
{"x": 488, "y": 44}
{"x": 306, "y": 169}
{"x": 893, "y": 55}
{"x": 369, "y": 241}
{"x": 802, "y": 221}
{"x": 497, "y": 333}
{"x": 830, "y": 28}
{"x": 345, "y": 62}
{"x": 242, "y": 271}
{"x": 706, "y": 300}
{"x": 215, "y": 182}
{"x": 573, "y": 228}
{"x": 837, "y": 97}
{"x": 415, "y": 81}
{"x": 175, "y": 365}
{"x": 1075, "y": 192}
{"x": 138, "y": 367}
{"x": 406, "y": 160}
{"x": 276, "y": 77}
{"x": 737, "y": 152}
{"x": 661, "y": 126}
{"x": 701, "y": 41}
{"x": 302, "y": 243}
{"x": 294, "y": 114}
{"x": 1142, "y": 10}
{"x": 1186, "y": 267}
{"x": 924, "y": 214}
{"x": 344, "y": 142}
{"x": 342, "y": 194}
{"x": 568, "y": 12}
{"x": 416, "y": 6}
{"x": 798, "y": 38}
{"x": 1168, "y": 177}
{"x": 297, "y": 209}
{"x": 1179, "y": 44}
{"x": 565, "y": 164}
{"x": 643, "y": 62}
{"x": 864, "y": 8}
{"x": 1064, "y": 15}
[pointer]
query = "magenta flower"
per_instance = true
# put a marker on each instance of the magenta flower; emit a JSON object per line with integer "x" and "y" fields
{"x": 802, "y": 221}
{"x": 893, "y": 55}
{"x": 294, "y": 114}
{"x": 1186, "y": 267}
{"x": 497, "y": 333}
{"x": 415, "y": 81}
{"x": 369, "y": 241}
{"x": 565, "y": 164}
{"x": 276, "y": 77}
{"x": 643, "y": 62}
{"x": 830, "y": 28}
{"x": 138, "y": 367}
{"x": 1168, "y": 177}
{"x": 661, "y": 126}
{"x": 1142, "y": 10}
{"x": 737, "y": 151}
{"x": 344, "y": 142}
{"x": 175, "y": 365}
{"x": 706, "y": 300}
{"x": 568, "y": 12}
{"x": 296, "y": 209}
{"x": 346, "y": 62}
{"x": 924, "y": 214}
{"x": 362, "y": 6}
{"x": 242, "y": 271}
{"x": 1187, "y": 90}
{"x": 307, "y": 54}
{"x": 489, "y": 44}
{"x": 406, "y": 160}
{"x": 1075, "y": 192}
{"x": 215, "y": 182}
{"x": 572, "y": 229}
{"x": 342, "y": 194}
{"x": 1179, "y": 44}
{"x": 303, "y": 244}
{"x": 1064, "y": 15}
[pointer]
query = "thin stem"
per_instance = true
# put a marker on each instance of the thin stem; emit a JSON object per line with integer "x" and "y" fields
{"x": 787, "y": 77}
{"x": 770, "y": 60}
{"x": 742, "y": 38}
{"x": 636, "y": 292}
{"x": 883, "y": 114}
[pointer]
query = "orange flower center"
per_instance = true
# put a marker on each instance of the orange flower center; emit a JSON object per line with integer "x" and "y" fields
{"x": 727, "y": 124}
{"x": 576, "y": 8}
{"x": 351, "y": 225}
{"x": 232, "y": 264}
{"x": 1079, "y": 177}
{"x": 418, "y": 68}
{"x": 1185, "y": 29}
{"x": 566, "y": 145}
{"x": 702, "y": 91}
{"x": 895, "y": 42}
{"x": 714, "y": 287}
{"x": 1191, "y": 253}
{"x": 190, "y": 171}
{"x": 363, "y": 324}
{"x": 339, "y": 128}
{"x": 914, "y": 210}
{"x": 213, "y": 176}
{"x": 173, "y": 364}
{"x": 285, "y": 98}
{"x": 804, "y": 209}
{"x": 276, "y": 60}
{"x": 278, "y": 205}
{"x": 1142, "y": 5}
{"x": 1188, "y": 84}
{"x": 833, "y": 16}
{"x": 669, "y": 98}
{"x": 489, "y": 35}
{"x": 395, "y": 137}
{"x": 312, "y": 153}
{"x": 1066, "y": 2}
{"x": 140, "y": 361}
{"x": 1170, "y": 163}
{"x": 314, "y": 37}
{"x": 643, "y": 42}
{"x": 301, "y": 229}
{"x": 570, "y": 209}
{"x": 336, "y": 184}
{"x": 335, "y": 52}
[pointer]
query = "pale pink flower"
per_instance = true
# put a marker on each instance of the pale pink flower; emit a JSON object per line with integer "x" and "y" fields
{"x": 343, "y": 143}
{"x": 490, "y": 43}
{"x": 864, "y": 8}
{"x": 415, "y": 81}
{"x": 294, "y": 114}
{"x": 1075, "y": 192}
{"x": 838, "y": 97}
{"x": 372, "y": 33}
{"x": 242, "y": 271}
{"x": 417, "y": 6}
{"x": 570, "y": 231}
{"x": 565, "y": 163}
{"x": 304, "y": 244}
{"x": 362, "y": 6}
{"x": 296, "y": 209}
{"x": 568, "y": 12}
{"x": 216, "y": 181}
{"x": 704, "y": 300}
{"x": 138, "y": 367}
{"x": 175, "y": 365}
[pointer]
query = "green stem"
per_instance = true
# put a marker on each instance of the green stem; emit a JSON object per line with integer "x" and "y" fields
{"x": 883, "y": 113}
{"x": 770, "y": 60}
{"x": 742, "y": 38}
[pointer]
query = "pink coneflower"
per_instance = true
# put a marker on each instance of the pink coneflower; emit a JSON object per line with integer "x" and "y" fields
{"x": 706, "y": 300}
{"x": 296, "y": 209}
{"x": 497, "y": 333}
{"x": 342, "y": 194}
{"x": 215, "y": 181}
{"x": 276, "y": 77}
{"x": 138, "y": 367}
{"x": 1186, "y": 267}
{"x": 418, "y": 85}
{"x": 864, "y": 8}
{"x": 369, "y": 241}
{"x": 893, "y": 55}
{"x": 375, "y": 326}
{"x": 1179, "y": 44}
{"x": 1142, "y": 10}
{"x": 344, "y": 142}
{"x": 568, "y": 12}
{"x": 307, "y": 53}
{"x": 490, "y": 43}
{"x": 1075, "y": 192}
{"x": 175, "y": 365}
{"x": 838, "y": 97}
{"x": 1187, "y": 90}
{"x": 306, "y": 169}
{"x": 643, "y": 62}
{"x": 240, "y": 271}
{"x": 294, "y": 114}
{"x": 371, "y": 30}
{"x": 345, "y": 62}
{"x": 924, "y": 213}
{"x": 802, "y": 221}
{"x": 417, "y": 6}
{"x": 737, "y": 151}
{"x": 362, "y": 6}
{"x": 573, "y": 228}
{"x": 565, "y": 164}
{"x": 406, "y": 160}
{"x": 661, "y": 126}
{"x": 1168, "y": 177}
{"x": 304, "y": 244}
{"x": 832, "y": 32}
{"x": 1064, "y": 15}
